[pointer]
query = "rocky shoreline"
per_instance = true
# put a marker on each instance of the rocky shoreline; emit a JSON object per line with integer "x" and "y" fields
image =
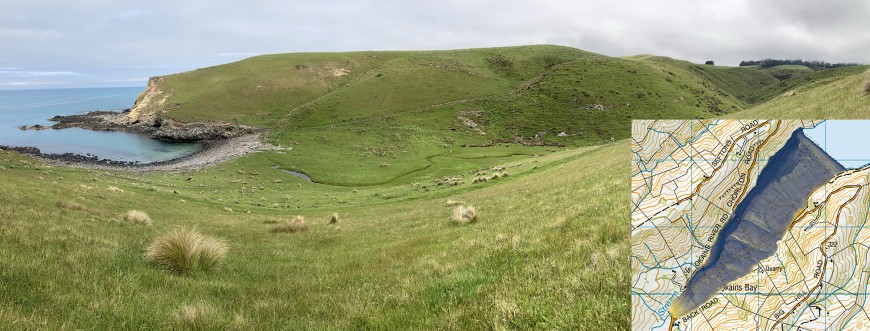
{"x": 219, "y": 141}
{"x": 163, "y": 129}
{"x": 212, "y": 152}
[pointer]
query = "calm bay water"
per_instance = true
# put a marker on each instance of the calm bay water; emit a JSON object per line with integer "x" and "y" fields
{"x": 31, "y": 107}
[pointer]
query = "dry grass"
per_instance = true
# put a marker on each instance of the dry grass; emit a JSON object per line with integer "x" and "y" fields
{"x": 297, "y": 224}
{"x": 70, "y": 205}
{"x": 184, "y": 249}
{"x": 866, "y": 87}
{"x": 333, "y": 219}
{"x": 137, "y": 217}
{"x": 212, "y": 252}
{"x": 464, "y": 214}
{"x": 114, "y": 189}
{"x": 193, "y": 317}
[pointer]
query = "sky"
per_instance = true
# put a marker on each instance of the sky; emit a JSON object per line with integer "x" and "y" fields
{"x": 88, "y": 43}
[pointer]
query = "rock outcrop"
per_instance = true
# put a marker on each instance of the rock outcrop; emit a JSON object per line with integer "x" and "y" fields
{"x": 150, "y": 104}
{"x": 159, "y": 128}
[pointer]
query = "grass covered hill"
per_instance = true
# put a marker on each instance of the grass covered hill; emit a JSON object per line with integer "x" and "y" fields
{"x": 390, "y": 114}
{"x": 406, "y": 225}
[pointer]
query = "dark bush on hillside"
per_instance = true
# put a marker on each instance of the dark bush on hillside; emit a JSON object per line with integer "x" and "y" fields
{"x": 710, "y": 63}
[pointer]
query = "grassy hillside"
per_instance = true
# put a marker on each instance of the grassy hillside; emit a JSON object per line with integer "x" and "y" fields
{"x": 805, "y": 82}
{"x": 737, "y": 82}
{"x": 841, "y": 96}
{"x": 387, "y": 115}
{"x": 786, "y": 71}
{"x": 387, "y": 137}
{"x": 546, "y": 252}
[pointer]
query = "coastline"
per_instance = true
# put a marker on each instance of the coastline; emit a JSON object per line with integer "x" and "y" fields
{"x": 212, "y": 152}
{"x": 218, "y": 141}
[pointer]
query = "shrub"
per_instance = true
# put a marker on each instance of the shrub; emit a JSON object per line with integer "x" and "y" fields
{"x": 71, "y": 205}
{"x": 137, "y": 217}
{"x": 297, "y": 224}
{"x": 184, "y": 249}
{"x": 333, "y": 219}
{"x": 465, "y": 214}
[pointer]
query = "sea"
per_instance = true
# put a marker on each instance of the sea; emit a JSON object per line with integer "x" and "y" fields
{"x": 30, "y": 107}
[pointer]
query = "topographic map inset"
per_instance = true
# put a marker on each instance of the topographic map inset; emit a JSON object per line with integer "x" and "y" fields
{"x": 749, "y": 225}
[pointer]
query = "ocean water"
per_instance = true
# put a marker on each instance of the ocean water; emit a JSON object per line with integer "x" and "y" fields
{"x": 844, "y": 140}
{"x": 29, "y": 107}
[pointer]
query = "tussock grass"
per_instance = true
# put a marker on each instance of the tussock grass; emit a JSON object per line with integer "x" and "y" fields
{"x": 137, "y": 217}
{"x": 114, "y": 189}
{"x": 464, "y": 214}
{"x": 866, "y": 88}
{"x": 297, "y": 224}
{"x": 211, "y": 252}
{"x": 333, "y": 219}
{"x": 183, "y": 250}
{"x": 70, "y": 205}
{"x": 194, "y": 316}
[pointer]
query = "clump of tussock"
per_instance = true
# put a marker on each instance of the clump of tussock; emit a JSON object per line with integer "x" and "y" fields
{"x": 465, "y": 214}
{"x": 228, "y": 209}
{"x": 183, "y": 250}
{"x": 114, "y": 189}
{"x": 193, "y": 317}
{"x": 137, "y": 217}
{"x": 297, "y": 224}
{"x": 333, "y": 219}
{"x": 70, "y": 205}
{"x": 451, "y": 203}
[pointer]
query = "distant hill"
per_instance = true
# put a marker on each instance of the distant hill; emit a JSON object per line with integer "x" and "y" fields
{"x": 551, "y": 93}
{"x": 399, "y": 107}
{"x": 814, "y": 65}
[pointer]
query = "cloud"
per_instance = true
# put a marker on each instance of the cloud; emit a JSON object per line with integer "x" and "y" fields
{"x": 107, "y": 40}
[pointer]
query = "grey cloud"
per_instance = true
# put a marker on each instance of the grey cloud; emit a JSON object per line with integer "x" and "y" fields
{"x": 112, "y": 42}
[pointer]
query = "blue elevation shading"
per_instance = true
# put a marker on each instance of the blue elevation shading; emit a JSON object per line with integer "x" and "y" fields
{"x": 761, "y": 218}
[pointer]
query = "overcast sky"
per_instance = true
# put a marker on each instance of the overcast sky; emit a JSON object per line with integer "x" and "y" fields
{"x": 122, "y": 43}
